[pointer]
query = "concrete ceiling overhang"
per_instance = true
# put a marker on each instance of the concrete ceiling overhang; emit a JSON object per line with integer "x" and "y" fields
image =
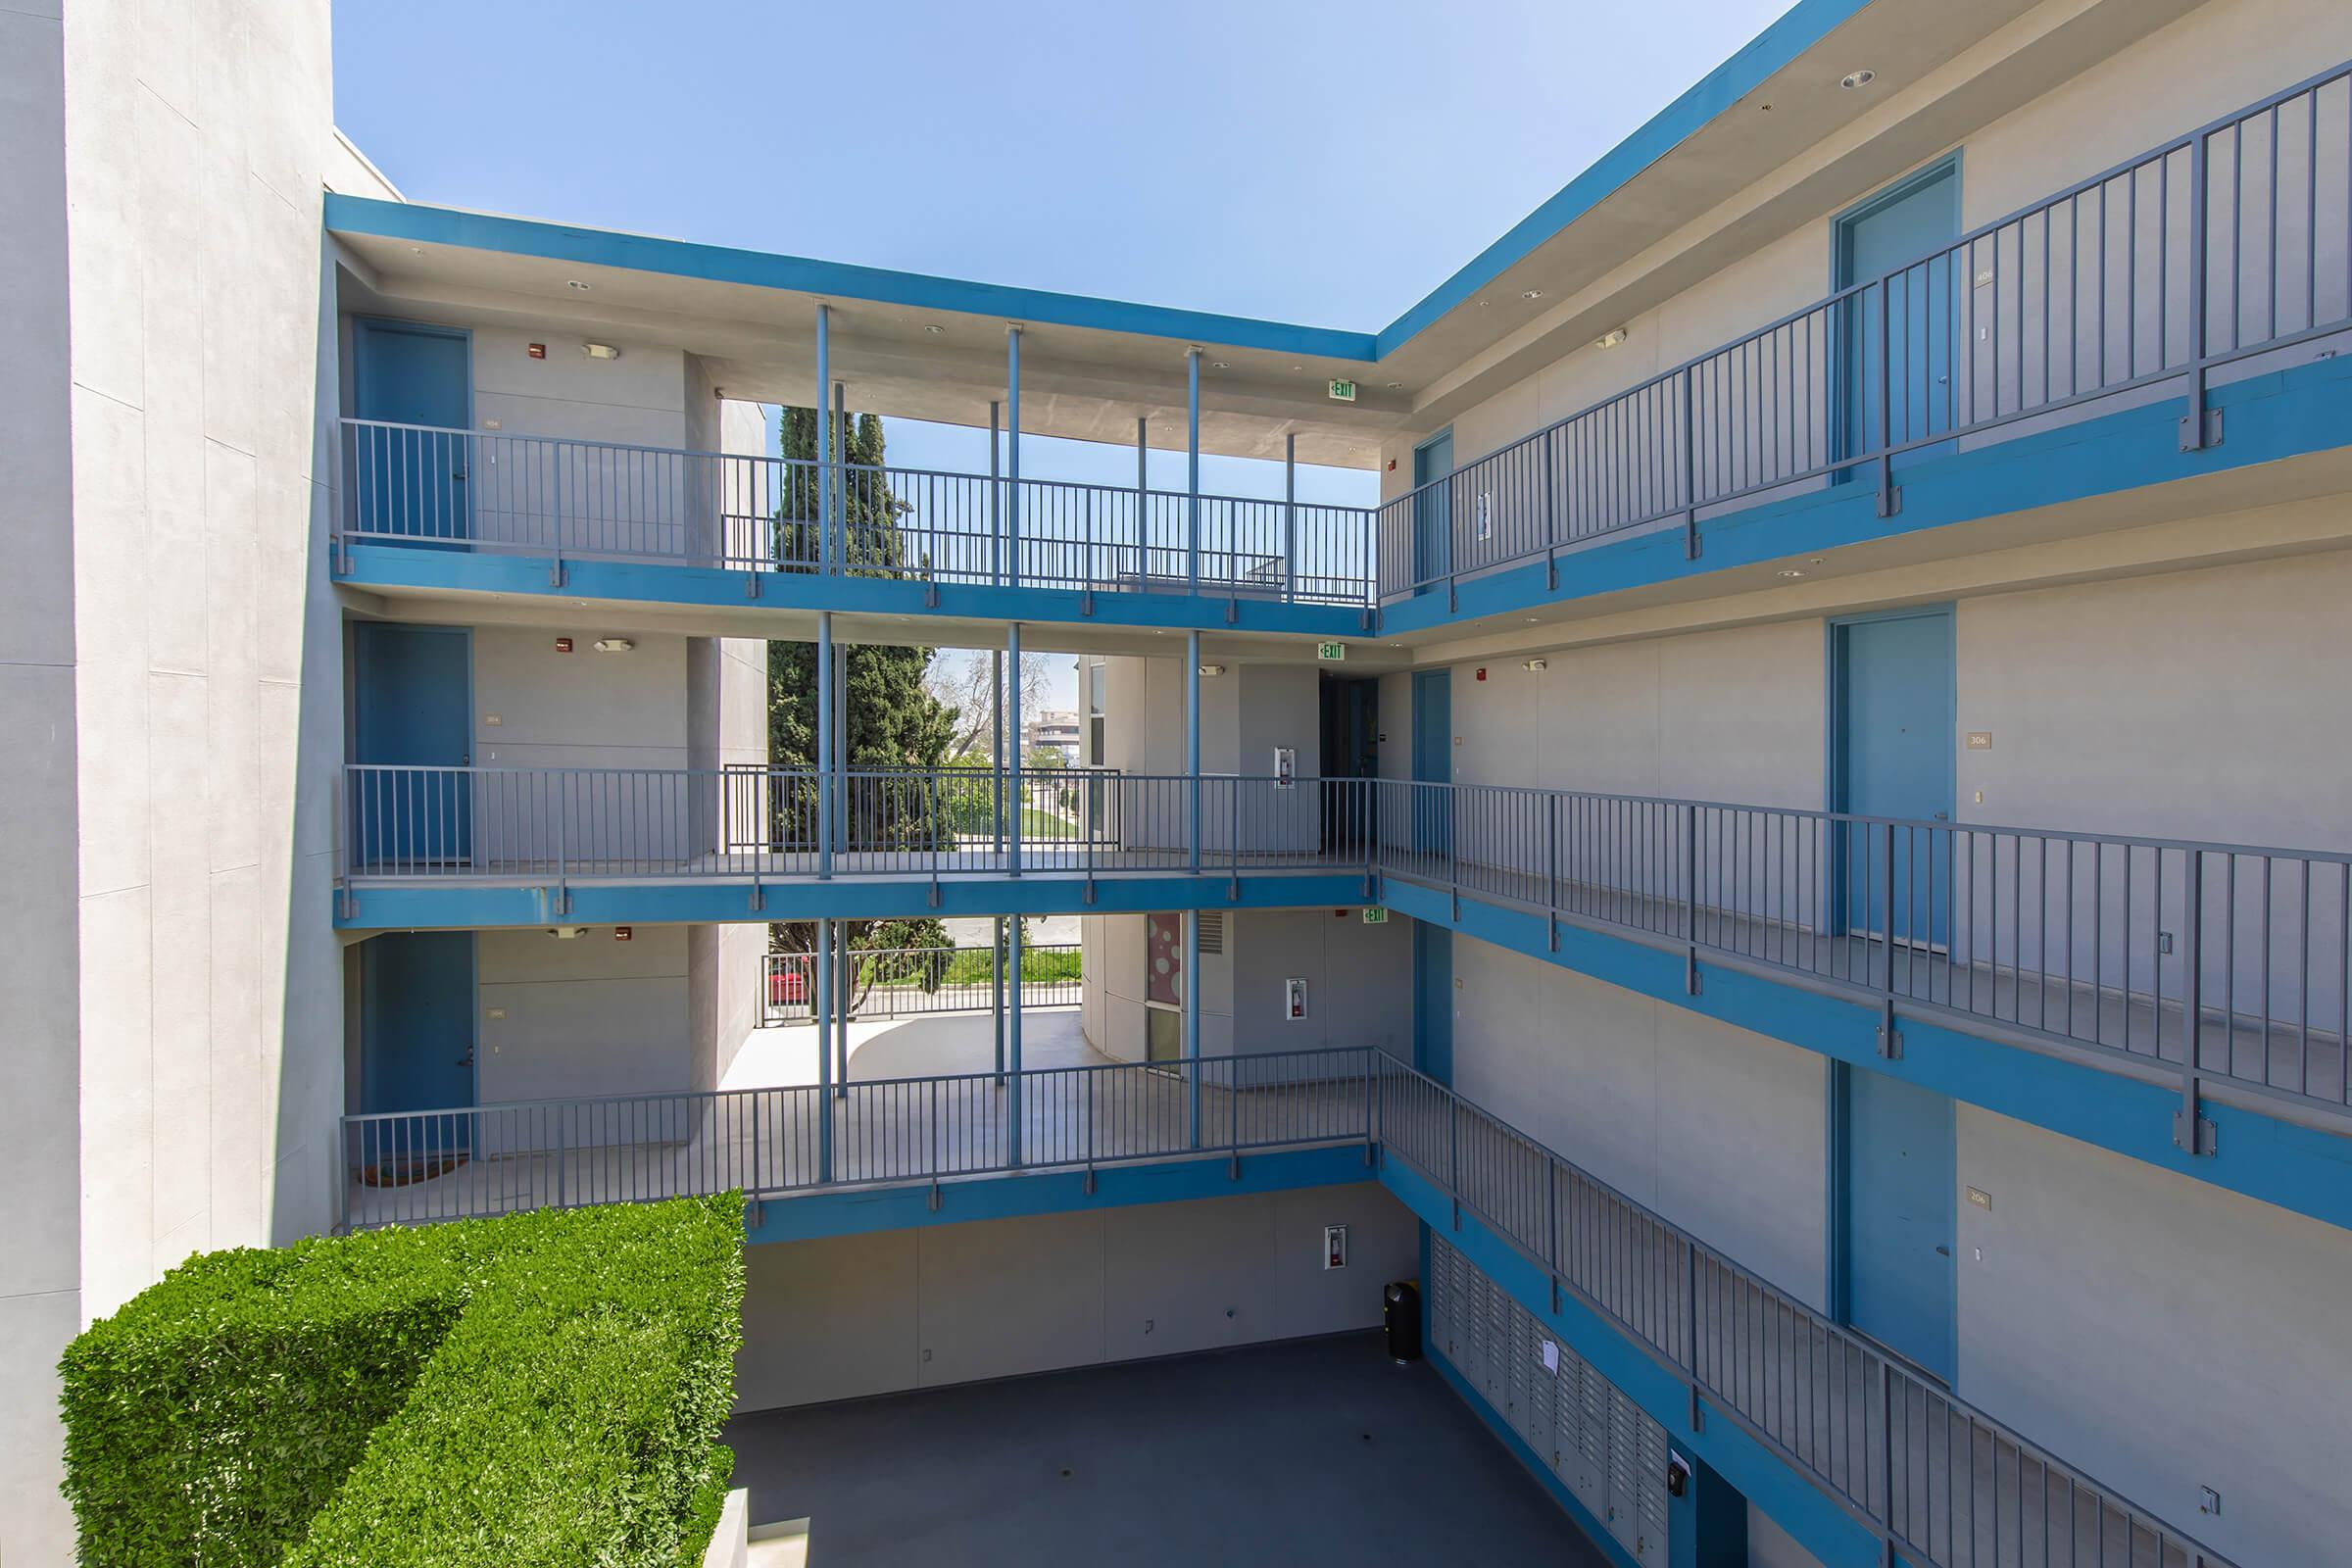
{"x": 1766, "y": 143}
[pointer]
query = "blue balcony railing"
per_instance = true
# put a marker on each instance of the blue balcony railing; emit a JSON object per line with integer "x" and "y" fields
{"x": 1946, "y": 1482}
{"x": 2218, "y": 962}
{"x": 2227, "y": 248}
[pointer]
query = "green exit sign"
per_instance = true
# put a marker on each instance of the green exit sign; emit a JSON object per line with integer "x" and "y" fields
{"x": 1342, "y": 391}
{"x": 1374, "y": 915}
{"x": 1330, "y": 652}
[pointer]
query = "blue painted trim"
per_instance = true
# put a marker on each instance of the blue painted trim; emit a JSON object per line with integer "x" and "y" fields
{"x": 1838, "y": 1236}
{"x": 388, "y": 565}
{"x": 421, "y": 225}
{"x": 2265, "y": 1157}
{"x": 1546, "y": 1477}
{"x": 447, "y": 905}
{"x": 1803, "y": 26}
{"x": 864, "y": 1211}
{"x": 1825, "y": 1529}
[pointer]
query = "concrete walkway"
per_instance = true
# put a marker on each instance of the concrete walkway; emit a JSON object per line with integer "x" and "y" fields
{"x": 1311, "y": 1451}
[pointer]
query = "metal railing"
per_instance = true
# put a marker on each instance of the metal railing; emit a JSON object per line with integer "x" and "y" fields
{"x": 409, "y": 1167}
{"x": 2211, "y": 961}
{"x": 903, "y": 982}
{"x": 2231, "y": 240}
{"x": 438, "y": 488}
{"x": 1946, "y": 1482}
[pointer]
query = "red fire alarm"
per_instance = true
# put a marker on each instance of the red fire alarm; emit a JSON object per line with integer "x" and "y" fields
{"x": 538, "y": 351}
{"x": 624, "y": 933}
{"x": 564, "y": 646}
{"x": 1482, "y": 672}
{"x": 1391, "y": 465}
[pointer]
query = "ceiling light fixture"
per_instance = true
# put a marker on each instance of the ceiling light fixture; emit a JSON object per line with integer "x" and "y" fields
{"x": 935, "y": 329}
{"x": 1212, "y": 669}
{"x": 573, "y": 282}
{"x": 1857, "y": 79}
{"x": 1614, "y": 337}
{"x": 600, "y": 351}
{"x": 1537, "y": 664}
{"x": 1791, "y": 571}
{"x": 1530, "y": 293}
{"x": 1395, "y": 386}
{"x": 613, "y": 645}
{"x": 1219, "y": 364}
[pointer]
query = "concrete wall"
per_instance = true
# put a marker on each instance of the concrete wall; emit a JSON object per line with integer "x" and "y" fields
{"x": 953, "y": 1303}
{"x": 169, "y": 662}
{"x": 1359, "y": 983}
{"x": 40, "y": 1270}
{"x": 1717, "y": 1129}
{"x": 2162, "y": 1332}
{"x": 583, "y": 1015}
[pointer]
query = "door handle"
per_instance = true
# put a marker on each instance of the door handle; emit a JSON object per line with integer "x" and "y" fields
{"x": 1941, "y": 1252}
{"x": 465, "y": 758}
{"x": 460, "y": 476}
{"x": 1944, "y": 816}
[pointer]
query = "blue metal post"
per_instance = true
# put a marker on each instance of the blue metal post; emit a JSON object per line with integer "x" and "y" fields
{"x": 838, "y": 430}
{"x": 1290, "y": 514}
{"x": 1143, "y": 502}
{"x": 1012, "y": 1039}
{"x": 824, "y": 490}
{"x": 1192, "y": 478}
{"x": 824, "y": 743}
{"x": 1191, "y": 740}
{"x": 824, "y": 1051}
{"x": 995, "y": 458}
{"x": 1191, "y": 1027}
{"x": 996, "y": 986}
{"x": 1012, "y": 460}
{"x": 1012, "y": 749}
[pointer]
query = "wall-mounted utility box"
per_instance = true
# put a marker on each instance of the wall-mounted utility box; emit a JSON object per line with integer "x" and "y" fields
{"x": 1294, "y": 999}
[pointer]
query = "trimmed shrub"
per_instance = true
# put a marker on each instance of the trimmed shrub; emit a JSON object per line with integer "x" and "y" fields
{"x": 540, "y": 1388}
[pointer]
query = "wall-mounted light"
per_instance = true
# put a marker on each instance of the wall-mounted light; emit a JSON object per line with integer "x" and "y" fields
{"x": 575, "y": 284}
{"x": 1791, "y": 572}
{"x": 600, "y": 351}
{"x": 1212, "y": 669}
{"x": 1539, "y": 663}
{"x": 935, "y": 329}
{"x": 1857, "y": 79}
{"x": 1614, "y": 337}
{"x": 613, "y": 645}
{"x": 1530, "y": 293}
{"x": 565, "y": 933}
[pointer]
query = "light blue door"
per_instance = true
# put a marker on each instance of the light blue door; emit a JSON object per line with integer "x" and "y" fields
{"x": 1900, "y": 1181}
{"x": 1893, "y": 244}
{"x": 417, "y": 1044}
{"x": 412, "y": 483}
{"x": 412, "y": 713}
{"x": 1433, "y": 512}
{"x": 1433, "y": 1000}
{"x": 1433, "y": 761}
{"x": 1892, "y": 699}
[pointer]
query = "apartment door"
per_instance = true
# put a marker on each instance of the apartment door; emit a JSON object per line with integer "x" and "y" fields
{"x": 412, "y": 714}
{"x": 412, "y": 481}
{"x": 1432, "y": 761}
{"x": 1433, "y": 512}
{"x": 1892, "y": 704}
{"x": 1350, "y": 759}
{"x": 417, "y": 1040}
{"x": 1900, "y": 1177}
{"x": 1898, "y": 235}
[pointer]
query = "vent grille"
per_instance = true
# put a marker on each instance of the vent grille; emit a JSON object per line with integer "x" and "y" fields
{"x": 1213, "y": 931}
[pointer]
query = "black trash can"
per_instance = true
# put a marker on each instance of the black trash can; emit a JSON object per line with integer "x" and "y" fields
{"x": 1400, "y": 1315}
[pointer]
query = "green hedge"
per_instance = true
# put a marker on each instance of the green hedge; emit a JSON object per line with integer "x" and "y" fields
{"x": 539, "y": 1390}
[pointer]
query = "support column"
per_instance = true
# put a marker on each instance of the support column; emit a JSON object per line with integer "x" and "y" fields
{"x": 823, "y": 1009}
{"x": 1013, "y": 1039}
{"x": 1192, "y": 1024}
{"x": 825, "y": 492}
{"x": 1191, "y": 740}
{"x": 1012, "y": 458}
{"x": 996, "y": 499}
{"x": 996, "y": 749}
{"x": 996, "y": 986}
{"x": 1191, "y": 476}
{"x": 1013, "y": 750}
{"x": 1290, "y": 514}
{"x": 824, "y": 743}
{"x": 844, "y": 969}
{"x": 840, "y": 432}
{"x": 1143, "y": 502}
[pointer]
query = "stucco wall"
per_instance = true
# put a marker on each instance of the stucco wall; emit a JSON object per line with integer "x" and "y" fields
{"x": 582, "y": 1015}
{"x": 951, "y": 1303}
{"x": 2164, "y": 1332}
{"x": 1717, "y": 1129}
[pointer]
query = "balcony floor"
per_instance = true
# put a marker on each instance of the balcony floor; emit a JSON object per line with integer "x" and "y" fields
{"x": 884, "y": 1129}
{"x": 1310, "y": 1451}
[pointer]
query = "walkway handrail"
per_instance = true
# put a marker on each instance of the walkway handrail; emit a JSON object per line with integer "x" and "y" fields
{"x": 1828, "y": 389}
{"x": 1895, "y": 1449}
{"x": 2132, "y": 945}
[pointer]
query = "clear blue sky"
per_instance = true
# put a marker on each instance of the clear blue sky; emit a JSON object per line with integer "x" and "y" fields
{"x": 1326, "y": 162}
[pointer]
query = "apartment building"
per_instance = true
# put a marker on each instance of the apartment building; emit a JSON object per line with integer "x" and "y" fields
{"x": 1792, "y": 870}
